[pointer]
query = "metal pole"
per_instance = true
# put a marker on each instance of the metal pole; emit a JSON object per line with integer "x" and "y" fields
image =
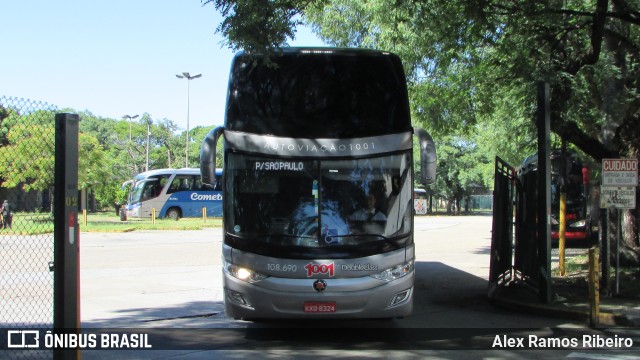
{"x": 66, "y": 279}
{"x": 147, "y": 165}
{"x": 562, "y": 230}
{"x": 604, "y": 246}
{"x": 129, "y": 119}
{"x": 186, "y": 158}
{"x": 186, "y": 75}
{"x": 594, "y": 287}
{"x": 618, "y": 251}
{"x": 544, "y": 195}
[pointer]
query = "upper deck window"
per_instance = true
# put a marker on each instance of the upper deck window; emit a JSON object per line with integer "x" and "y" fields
{"x": 310, "y": 94}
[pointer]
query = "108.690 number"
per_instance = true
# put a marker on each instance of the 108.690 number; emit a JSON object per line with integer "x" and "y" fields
{"x": 282, "y": 267}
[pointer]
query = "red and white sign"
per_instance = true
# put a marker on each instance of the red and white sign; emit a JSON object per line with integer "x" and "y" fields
{"x": 620, "y": 172}
{"x": 320, "y": 269}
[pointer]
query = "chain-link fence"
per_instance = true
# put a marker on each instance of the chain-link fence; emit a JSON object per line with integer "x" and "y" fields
{"x": 478, "y": 203}
{"x": 27, "y": 137}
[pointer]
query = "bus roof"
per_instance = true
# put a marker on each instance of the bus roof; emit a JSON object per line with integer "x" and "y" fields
{"x": 315, "y": 50}
{"x": 182, "y": 171}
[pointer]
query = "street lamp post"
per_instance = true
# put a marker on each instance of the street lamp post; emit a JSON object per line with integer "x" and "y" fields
{"x": 129, "y": 118}
{"x": 148, "y": 133}
{"x": 186, "y": 75}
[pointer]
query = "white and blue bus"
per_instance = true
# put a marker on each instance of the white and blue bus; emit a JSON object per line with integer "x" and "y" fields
{"x": 173, "y": 193}
{"x": 318, "y": 185}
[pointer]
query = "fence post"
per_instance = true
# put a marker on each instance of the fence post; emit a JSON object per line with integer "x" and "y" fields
{"x": 562, "y": 231}
{"x": 594, "y": 287}
{"x": 204, "y": 214}
{"x": 153, "y": 216}
{"x": 66, "y": 280}
{"x": 543, "y": 210}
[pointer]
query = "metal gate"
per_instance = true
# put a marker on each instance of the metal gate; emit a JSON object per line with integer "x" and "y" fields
{"x": 517, "y": 249}
{"x": 501, "y": 269}
{"x": 526, "y": 257}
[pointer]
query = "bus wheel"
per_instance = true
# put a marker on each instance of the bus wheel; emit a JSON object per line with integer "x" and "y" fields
{"x": 173, "y": 214}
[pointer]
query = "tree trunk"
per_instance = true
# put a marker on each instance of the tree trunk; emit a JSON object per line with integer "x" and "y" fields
{"x": 629, "y": 249}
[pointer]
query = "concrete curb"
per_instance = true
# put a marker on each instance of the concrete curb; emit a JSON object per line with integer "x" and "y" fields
{"x": 605, "y": 318}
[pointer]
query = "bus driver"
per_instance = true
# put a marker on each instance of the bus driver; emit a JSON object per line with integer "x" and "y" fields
{"x": 370, "y": 213}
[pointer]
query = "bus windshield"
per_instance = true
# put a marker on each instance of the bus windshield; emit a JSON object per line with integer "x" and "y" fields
{"x": 318, "y": 94}
{"x": 315, "y": 203}
{"x": 144, "y": 190}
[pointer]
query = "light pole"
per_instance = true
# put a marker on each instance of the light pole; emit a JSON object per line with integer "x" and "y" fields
{"x": 129, "y": 118}
{"x": 148, "y": 133}
{"x": 186, "y": 75}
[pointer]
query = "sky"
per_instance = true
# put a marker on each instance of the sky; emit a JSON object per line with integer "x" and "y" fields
{"x": 119, "y": 57}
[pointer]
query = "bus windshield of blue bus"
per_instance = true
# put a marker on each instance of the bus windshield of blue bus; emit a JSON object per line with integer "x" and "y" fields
{"x": 318, "y": 95}
{"x": 319, "y": 203}
{"x": 147, "y": 188}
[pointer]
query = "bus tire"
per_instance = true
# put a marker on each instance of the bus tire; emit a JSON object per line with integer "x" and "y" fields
{"x": 173, "y": 214}
{"x": 123, "y": 214}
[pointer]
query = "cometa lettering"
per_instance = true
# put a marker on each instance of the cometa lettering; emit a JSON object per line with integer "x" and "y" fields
{"x": 206, "y": 197}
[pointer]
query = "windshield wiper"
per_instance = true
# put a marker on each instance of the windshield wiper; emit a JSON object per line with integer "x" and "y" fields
{"x": 330, "y": 238}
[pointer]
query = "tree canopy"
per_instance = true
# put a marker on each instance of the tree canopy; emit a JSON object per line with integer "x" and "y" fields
{"x": 110, "y": 150}
{"x": 464, "y": 57}
{"x": 472, "y": 66}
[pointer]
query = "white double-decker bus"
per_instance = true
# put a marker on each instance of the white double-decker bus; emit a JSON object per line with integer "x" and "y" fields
{"x": 318, "y": 185}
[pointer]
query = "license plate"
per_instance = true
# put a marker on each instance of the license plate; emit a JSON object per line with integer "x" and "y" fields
{"x": 320, "y": 306}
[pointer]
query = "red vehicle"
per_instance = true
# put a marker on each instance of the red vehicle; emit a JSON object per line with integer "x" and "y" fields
{"x": 576, "y": 184}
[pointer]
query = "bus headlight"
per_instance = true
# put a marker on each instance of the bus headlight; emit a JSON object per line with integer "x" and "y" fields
{"x": 242, "y": 273}
{"x": 580, "y": 223}
{"x": 395, "y": 272}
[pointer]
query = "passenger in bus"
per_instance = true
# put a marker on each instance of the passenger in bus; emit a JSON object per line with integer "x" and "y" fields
{"x": 184, "y": 186}
{"x": 370, "y": 213}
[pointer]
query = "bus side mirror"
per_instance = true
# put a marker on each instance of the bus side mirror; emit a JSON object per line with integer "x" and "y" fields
{"x": 427, "y": 157}
{"x": 208, "y": 156}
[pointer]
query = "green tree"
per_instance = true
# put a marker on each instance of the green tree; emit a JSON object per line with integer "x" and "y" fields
{"x": 197, "y": 135}
{"x": 95, "y": 168}
{"x": 587, "y": 51}
{"x": 166, "y": 152}
{"x": 26, "y": 159}
{"x": 459, "y": 171}
{"x": 272, "y": 22}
